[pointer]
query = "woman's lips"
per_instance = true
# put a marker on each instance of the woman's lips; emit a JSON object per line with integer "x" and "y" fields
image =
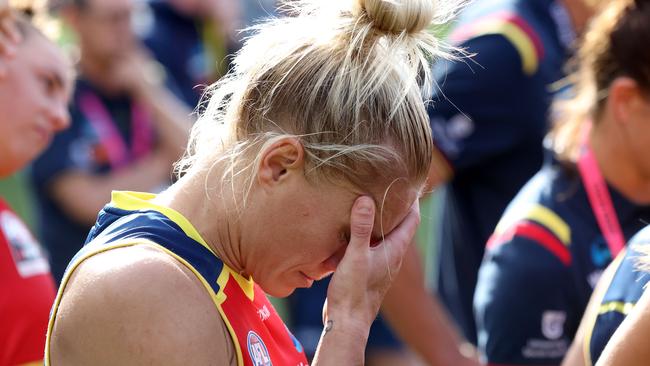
{"x": 309, "y": 280}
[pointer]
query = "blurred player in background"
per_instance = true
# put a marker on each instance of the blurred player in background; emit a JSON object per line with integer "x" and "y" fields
{"x": 127, "y": 129}
{"x": 489, "y": 115}
{"x": 611, "y": 60}
{"x": 577, "y": 213}
{"x": 191, "y": 39}
{"x": 35, "y": 86}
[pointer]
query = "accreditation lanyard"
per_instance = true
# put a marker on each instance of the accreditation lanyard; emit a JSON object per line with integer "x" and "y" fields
{"x": 599, "y": 197}
{"x": 116, "y": 149}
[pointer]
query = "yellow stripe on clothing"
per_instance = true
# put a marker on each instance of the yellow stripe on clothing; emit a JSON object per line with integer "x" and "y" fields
{"x": 519, "y": 39}
{"x": 591, "y": 316}
{"x": 541, "y": 215}
{"x": 616, "y": 306}
{"x": 134, "y": 201}
{"x": 552, "y": 221}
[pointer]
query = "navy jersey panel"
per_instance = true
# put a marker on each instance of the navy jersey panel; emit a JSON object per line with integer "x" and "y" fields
{"x": 622, "y": 294}
{"x": 550, "y": 241}
{"x": 468, "y": 115}
{"x": 176, "y": 42}
{"x": 74, "y": 149}
{"x": 488, "y": 118}
{"x": 522, "y": 337}
{"x": 114, "y": 224}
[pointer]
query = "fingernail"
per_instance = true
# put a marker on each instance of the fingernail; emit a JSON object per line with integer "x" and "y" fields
{"x": 365, "y": 205}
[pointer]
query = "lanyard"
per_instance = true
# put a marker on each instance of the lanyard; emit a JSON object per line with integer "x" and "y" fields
{"x": 118, "y": 153}
{"x": 599, "y": 197}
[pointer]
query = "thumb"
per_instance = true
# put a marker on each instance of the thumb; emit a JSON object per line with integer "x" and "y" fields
{"x": 362, "y": 219}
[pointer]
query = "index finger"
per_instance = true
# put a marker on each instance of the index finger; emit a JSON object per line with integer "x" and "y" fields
{"x": 362, "y": 220}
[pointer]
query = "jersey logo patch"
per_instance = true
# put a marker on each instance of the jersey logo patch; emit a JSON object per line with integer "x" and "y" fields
{"x": 257, "y": 350}
{"x": 26, "y": 252}
{"x": 553, "y": 324}
{"x": 600, "y": 254}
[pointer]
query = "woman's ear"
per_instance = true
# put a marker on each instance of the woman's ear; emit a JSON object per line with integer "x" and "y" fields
{"x": 280, "y": 158}
{"x": 624, "y": 92}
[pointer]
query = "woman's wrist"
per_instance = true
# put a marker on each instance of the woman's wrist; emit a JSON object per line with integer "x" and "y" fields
{"x": 343, "y": 341}
{"x": 347, "y": 321}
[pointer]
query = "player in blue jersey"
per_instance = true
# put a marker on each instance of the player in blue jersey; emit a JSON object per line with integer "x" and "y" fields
{"x": 625, "y": 327}
{"x": 320, "y": 124}
{"x": 488, "y": 115}
{"x": 620, "y": 288}
{"x": 570, "y": 220}
{"x": 126, "y": 129}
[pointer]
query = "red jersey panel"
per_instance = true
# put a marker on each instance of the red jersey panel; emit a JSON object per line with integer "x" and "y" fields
{"x": 28, "y": 292}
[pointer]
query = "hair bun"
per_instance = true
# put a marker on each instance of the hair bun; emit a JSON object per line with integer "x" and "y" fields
{"x": 396, "y": 16}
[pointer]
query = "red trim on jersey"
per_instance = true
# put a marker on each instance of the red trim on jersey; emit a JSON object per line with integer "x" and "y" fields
{"x": 536, "y": 233}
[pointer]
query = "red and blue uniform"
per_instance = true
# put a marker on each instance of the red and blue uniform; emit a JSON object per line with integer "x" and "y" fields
{"x": 623, "y": 292}
{"x": 488, "y": 117}
{"x": 27, "y": 292}
{"x": 541, "y": 265}
{"x": 259, "y": 336}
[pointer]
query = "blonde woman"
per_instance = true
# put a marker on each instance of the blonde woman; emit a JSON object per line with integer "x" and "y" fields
{"x": 308, "y": 158}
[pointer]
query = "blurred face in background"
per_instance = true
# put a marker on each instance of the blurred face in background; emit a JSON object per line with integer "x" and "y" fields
{"x": 34, "y": 93}
{"x": 104, "y": 28}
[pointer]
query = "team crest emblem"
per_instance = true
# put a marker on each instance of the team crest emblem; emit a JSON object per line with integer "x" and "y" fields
{"x": 257, "y": 350}
{"x": 553, "y": 324}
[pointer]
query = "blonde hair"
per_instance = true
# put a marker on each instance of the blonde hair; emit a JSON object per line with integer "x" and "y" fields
{"x": 610, "y": 48}
{"x": 345, "y": 77}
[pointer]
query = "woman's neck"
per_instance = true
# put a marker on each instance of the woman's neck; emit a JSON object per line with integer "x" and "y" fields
{"x": 209, "y": 214}
{"x": 618, "y": 164}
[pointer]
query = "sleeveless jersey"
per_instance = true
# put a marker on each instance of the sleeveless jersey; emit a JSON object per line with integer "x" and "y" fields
{"x": 623, "y": 291}
{"x": 259, "y": 336}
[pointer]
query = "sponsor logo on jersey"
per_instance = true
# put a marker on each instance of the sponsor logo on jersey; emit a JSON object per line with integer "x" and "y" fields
{"x": 543, "y": 348}
{"x": 257, "y": 350}
{"x": 264, "y": 313}
{"x": 553, "y": 324}
{"x": 600, "y": 254}
{"x": 26, "y": 252}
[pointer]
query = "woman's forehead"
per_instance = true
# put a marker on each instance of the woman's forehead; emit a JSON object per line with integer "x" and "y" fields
{"x": 392, "y": 206}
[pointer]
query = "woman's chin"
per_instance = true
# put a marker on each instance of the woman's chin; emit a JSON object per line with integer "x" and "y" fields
{"x": 278, "y": 291}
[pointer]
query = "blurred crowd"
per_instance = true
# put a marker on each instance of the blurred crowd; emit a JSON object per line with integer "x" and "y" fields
{"x": 540, "y": 175}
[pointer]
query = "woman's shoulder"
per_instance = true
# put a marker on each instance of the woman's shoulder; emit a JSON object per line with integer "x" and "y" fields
{"x": 134, "y": 304}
